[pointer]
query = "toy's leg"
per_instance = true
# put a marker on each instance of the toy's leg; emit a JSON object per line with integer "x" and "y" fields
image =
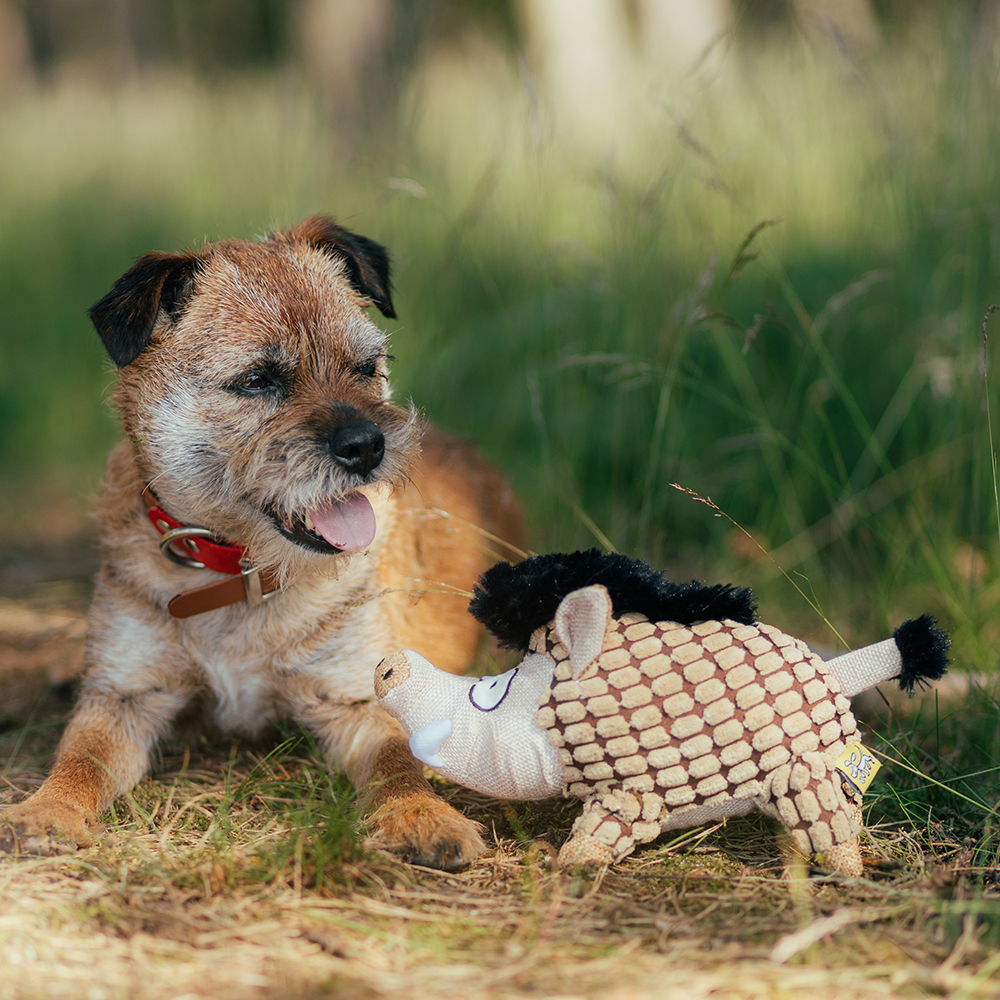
{"x": 583, "y": 849}
{"x": 609, "y": 828}
{"x": 845, "y": 856}
{"x": 811, "y": 804}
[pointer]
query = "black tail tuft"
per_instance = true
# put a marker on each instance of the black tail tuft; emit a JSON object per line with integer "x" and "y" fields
{"x": 924, "y": 649}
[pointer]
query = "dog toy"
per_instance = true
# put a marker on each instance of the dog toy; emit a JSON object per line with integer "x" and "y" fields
{"x": 660, "y": 705}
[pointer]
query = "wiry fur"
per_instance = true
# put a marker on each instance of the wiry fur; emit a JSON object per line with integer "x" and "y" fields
{"x": 193, "y": 334}
{"x": 316, "y": 332}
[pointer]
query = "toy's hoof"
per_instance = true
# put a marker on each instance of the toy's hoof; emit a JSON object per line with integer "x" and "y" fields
{"x": 584, "y": 851}
{"x": 845, "y": 858}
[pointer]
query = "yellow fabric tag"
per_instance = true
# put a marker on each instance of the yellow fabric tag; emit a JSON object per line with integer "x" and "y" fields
{"x": 858, "y": 764}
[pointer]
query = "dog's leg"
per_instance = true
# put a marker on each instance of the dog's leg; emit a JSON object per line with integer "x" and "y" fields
{"x": 104, "y": 752}
{"x": 406, "y": 816}
{"x": 409, "y": 818}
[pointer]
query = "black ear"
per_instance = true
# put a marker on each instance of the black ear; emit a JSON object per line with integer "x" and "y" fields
{"x": 125, "y": 317}
{"x": 367, "y": 261}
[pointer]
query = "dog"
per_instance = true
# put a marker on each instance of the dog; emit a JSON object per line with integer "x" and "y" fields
{"x": 273, "y": 525}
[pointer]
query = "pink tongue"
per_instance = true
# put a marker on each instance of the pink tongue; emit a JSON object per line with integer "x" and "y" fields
{"x": 348, "y": 524}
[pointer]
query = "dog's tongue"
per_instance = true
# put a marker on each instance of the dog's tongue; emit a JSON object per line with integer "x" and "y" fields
{"x": 348, "y": 524}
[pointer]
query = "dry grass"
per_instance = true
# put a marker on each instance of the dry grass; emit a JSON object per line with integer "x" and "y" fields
{"x": 241, "y": 871}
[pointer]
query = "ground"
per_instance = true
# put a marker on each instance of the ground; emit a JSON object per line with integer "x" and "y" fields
{"x": 239, "y": 871}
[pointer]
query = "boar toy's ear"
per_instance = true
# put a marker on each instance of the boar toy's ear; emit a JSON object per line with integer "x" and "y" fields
{"x": 581, "y": 621}
{"x": 367, "y": 261}
{"x": 126, "y": 316}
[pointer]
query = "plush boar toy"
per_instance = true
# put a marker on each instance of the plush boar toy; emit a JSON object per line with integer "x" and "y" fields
{"x": 660, "y": 705}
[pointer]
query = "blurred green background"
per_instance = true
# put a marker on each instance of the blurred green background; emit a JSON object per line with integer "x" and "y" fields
{"x": 745, "y": 247}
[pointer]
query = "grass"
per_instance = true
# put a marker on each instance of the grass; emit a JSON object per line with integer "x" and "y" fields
{"x": 234, "y": 868}
{"x": 770, "y": 291}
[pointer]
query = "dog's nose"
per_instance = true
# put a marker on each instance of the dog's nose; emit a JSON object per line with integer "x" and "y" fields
{"x": 357, "y": 445}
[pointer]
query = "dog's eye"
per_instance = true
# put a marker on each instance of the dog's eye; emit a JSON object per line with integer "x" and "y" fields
{"x": 369, "y": 368}
{"x": 257, "y": 382}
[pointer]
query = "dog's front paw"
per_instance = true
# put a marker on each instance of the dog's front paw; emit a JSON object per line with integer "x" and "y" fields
{"x": 426, "y": 831}
{"x": 46, "y": 827}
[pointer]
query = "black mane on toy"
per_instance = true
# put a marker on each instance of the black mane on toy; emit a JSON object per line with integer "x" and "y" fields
{"x": 513, "y": 600}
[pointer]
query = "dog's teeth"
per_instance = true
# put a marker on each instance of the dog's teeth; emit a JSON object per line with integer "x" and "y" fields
{"x": 308, "y": 521}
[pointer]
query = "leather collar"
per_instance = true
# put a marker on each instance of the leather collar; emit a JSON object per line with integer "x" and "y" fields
{"x": 198, "y": 548}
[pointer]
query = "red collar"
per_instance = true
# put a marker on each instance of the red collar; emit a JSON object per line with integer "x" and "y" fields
{"x": 197, "y": 548}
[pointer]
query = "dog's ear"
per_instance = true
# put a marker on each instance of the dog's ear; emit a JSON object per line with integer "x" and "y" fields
{"x": 367, "y": 261}
{"x": 125, "y": 317}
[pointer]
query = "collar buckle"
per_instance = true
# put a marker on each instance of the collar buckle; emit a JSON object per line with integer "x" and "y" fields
{"x": 200, "y": 548}
{"x": 256, "y": 595}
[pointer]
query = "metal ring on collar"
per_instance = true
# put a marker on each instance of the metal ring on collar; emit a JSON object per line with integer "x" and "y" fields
{"x": 180, "y": 535}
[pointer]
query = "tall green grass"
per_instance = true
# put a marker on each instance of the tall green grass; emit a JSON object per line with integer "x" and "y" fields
{"x": 768, "y": 289}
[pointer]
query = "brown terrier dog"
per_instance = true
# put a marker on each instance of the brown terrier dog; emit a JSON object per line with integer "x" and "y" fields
{"x": 272, "y": 528}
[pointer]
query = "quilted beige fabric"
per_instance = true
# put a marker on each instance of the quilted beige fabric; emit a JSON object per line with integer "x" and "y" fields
{"x": 677, "y": 725}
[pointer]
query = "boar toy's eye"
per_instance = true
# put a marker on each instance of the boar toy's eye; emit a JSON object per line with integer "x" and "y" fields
{"x": 487, "y": 693}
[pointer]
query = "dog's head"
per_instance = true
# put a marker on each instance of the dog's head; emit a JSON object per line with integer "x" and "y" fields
{"x": 255, "y": 388}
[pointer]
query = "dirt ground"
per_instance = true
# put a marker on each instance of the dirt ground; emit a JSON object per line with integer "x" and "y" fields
{"x": 192, "y": 893}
